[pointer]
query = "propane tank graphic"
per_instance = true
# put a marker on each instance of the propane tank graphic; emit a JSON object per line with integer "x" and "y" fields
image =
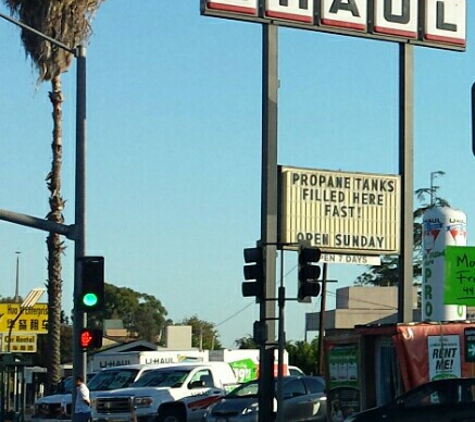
{"x": 441, "y": 227}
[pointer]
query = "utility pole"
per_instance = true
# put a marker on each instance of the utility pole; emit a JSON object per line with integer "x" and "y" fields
{"x": 321, "y": 324}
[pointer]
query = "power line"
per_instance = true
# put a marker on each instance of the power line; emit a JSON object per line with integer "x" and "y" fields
{"x": 331, "y": 293}
{"x": 233, "y": 315}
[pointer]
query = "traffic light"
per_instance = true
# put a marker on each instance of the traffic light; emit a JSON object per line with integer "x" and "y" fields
{"x": 90, "y": 338}
{"x": 254, "y": 273}
{"x": 308, "y": 273}
{"x": 91, "y": 297}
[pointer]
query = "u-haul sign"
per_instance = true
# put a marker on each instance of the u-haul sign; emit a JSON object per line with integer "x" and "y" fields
{"x": 353, "y": 213}
{"x": 434, "y": 23}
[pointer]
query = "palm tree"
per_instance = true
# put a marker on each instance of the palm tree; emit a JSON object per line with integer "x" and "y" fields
{"x": 67, "y": 21}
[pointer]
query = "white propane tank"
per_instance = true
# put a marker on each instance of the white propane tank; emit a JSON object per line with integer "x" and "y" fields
{"x": 441, "y": 227}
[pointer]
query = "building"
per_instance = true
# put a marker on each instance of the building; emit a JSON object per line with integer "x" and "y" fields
{"x": 360, "y": 306}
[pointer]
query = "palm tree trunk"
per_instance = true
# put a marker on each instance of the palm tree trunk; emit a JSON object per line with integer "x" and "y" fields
{"x": 54, "y": 242}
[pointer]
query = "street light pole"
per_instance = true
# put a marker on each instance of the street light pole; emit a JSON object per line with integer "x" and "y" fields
{"x": 17, "y": 278}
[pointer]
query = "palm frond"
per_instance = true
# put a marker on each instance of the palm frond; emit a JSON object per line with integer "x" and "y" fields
{"x": 68, "y": 21}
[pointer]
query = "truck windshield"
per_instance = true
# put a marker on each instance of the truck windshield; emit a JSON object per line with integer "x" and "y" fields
{"x": 162, "y": 379}
{"x": 112, "y": 379}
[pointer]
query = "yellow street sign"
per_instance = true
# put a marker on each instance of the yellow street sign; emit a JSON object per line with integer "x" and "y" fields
{"x": 33, "y": 320}
{"x": 18, "y": 343}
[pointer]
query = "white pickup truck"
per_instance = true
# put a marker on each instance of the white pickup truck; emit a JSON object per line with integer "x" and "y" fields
{"x": 176, "y": 393}
{"x": 58, "y": 406}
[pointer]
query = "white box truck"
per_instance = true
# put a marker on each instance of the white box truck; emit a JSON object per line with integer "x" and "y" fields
{"x": 245, "y": 362}
{"x": 109, "y": 360}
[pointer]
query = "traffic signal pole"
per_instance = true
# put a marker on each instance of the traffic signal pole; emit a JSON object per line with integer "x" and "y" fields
{"x": 269, "y": 192}
{"x": 80, "y": 318}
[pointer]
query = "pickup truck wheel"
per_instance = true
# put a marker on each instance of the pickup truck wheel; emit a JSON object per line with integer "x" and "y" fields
{"x": 171, "y": 415}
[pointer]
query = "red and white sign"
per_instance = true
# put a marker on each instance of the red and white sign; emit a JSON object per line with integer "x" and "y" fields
{"x": 247, "y": 7}
{"x": 292, "y": 10}
{"x": 441, "y": 227}
{"x": 397, "y": 17}
{"x": 352, "y": 14}
{"x": 434, "y": 23}
{"x": 445, "y": 21}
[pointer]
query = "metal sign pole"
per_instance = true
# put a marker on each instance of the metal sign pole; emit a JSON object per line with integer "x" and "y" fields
{"x": 406, "y": 171}
{"x": 268, "y": 217}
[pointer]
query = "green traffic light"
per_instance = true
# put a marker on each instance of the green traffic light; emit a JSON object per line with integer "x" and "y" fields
{"x": 90, "y": 299}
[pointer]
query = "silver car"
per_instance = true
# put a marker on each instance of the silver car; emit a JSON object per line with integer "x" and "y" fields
{"x": 303, "y": 400}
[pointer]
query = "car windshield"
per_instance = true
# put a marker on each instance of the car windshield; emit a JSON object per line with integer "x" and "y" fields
{"x": 112, "y": 379}
{"x": 249, "y": 389}
{"x": 162, "y": 379}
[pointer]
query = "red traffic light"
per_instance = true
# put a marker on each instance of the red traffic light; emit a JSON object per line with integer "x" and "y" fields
{"x": 90, "y": 338}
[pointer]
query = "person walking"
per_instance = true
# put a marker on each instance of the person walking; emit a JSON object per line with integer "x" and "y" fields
{"x": 82, "y": 407}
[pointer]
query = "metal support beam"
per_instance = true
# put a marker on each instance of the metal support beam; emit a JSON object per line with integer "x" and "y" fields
{"x": 406, "y": 171}
{"x": 268, "y": 216}
{"x": 281, "y": 344}
{"x": 37, "y": 223}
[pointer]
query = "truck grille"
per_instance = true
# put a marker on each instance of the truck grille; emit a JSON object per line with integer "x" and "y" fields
{"x": 113, "y": 405}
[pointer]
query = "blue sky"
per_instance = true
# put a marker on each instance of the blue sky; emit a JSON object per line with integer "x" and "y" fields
{"x": 174, "y": 147}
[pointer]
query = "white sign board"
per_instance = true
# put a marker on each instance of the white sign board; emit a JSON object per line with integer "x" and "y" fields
{"x": 433, "y": 23}
{"x": 350, "y": 259}
{"x": 354, "y": 213}
{"x": 18, "y": 343}
{"x": 444, "y": 357}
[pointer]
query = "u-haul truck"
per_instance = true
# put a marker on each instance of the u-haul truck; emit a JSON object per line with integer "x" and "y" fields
{"x": 109, "y": 360}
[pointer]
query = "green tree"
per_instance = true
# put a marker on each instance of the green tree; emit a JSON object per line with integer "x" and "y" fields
{"x": 142, "y": 314}
{"x": 70, "y": 23}
{"x": 303, "y": 355}
{"x": 387, "y": 274}
{"x": 246, "y": 342}
{"x": 203, "y": 333}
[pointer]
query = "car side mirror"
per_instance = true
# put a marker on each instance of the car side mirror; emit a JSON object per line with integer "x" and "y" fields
{"x": 197, "y": 384}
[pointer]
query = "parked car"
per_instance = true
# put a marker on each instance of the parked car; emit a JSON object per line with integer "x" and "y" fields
{"x": 444, "y": 400}
{"x": 304, "y": 399}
